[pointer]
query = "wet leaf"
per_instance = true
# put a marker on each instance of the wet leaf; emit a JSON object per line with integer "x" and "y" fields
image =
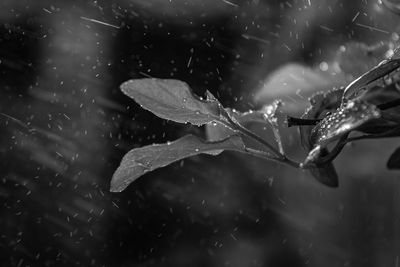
{"x": 394, "y": 160}
{"x": 217, "y": 131}
{"x": 145, "y": 159}
{"x": 379, "y": 87}
{"x": 173, "y": 100}
{"x": 380, "y": 76}
{"x": 320, "y": 104}
{"x": 347, "y": 118}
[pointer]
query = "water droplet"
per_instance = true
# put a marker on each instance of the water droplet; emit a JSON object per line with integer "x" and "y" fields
{"x": 323, "y": 66}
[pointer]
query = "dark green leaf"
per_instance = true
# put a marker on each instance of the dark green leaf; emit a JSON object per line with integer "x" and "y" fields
{"x": 394, "y": 160}
{"x": 145, "y": 159}
{"x": 173, "y": 100}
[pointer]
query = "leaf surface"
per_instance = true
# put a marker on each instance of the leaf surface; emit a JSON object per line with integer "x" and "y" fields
{"x": 375, "y": 77}
{"x": 347, "y": 118}
{"x": 173, "y": 100}
{"x": 320, "y": 103}
{"x": 145, "y": 159}
{"x": 326, "y": 174}
{"x": 217, "y": 131}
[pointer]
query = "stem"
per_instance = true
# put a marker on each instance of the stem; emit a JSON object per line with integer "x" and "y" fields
{"x": 265, "y": 155}
{"x": 258, "y": 139}
{"x": 279, "y": 157}
{"x": 335, "y": 151}
{"x": 292, "y": 121}
{"x": 237, "y": 127}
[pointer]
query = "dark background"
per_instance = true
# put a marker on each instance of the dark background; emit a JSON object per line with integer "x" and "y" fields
{"x": 64, "y": 127}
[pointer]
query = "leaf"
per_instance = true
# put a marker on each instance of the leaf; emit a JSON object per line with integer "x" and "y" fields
{"x": 394, "y": 160}
{"x": 294, "y": 83}
{"x": 380, "y": 87}
{"x": 347, "y": 118}
{"x": 320, "y": 103}
{"x": 267, "y": 116}
{"x": 378, "y": 76}
{"x": 325, "y": 174}
{"x": 145, "y": 159}
{"x": 173, "y": 100}
{"x": 338, "y": 125}
{"x": 217, "y": 131}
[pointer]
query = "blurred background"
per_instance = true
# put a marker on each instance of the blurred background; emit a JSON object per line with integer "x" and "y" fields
{"x": 64, "y": 127}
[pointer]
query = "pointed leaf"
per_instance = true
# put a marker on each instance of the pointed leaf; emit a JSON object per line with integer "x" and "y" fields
{"x": 338, "y": 125}
{"x": 325, "y": 174}
{"x": 394, "y": 160}
{"x": 173, "y": 100}
{"x": 145, "y": 159}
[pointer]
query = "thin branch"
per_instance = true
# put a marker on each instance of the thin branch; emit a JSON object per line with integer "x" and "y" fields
{"x": 292, "y": 121}
{"x": 236, "y": 126}
{"x": 268, "y": 156}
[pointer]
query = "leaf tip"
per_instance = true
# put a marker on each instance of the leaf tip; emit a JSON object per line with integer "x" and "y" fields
{"x": 119, "y": 181}
{"x": 127, "y": 85}
{"x": 116, "y": 187}
{"x": 115, "y": 190}
{"x": 326, "y": 175}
